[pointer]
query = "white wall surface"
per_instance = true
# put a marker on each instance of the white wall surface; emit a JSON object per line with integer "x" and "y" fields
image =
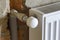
{"x": 4, "y": 5}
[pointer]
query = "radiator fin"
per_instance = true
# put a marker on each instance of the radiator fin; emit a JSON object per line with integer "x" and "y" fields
{"x": 47, "y": 31}
{"x": 53, "y": 30}
{"x": 57, "y": 30}
{"x": 52, "y": 27}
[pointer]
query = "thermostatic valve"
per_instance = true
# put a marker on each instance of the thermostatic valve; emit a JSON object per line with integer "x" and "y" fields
{"x": 31, "y": 21}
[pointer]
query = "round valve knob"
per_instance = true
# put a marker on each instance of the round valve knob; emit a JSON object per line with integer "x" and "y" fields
{"x": 32, "y": 22}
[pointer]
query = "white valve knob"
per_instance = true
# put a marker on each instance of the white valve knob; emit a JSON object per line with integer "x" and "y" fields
{"x": 32, "y": 22}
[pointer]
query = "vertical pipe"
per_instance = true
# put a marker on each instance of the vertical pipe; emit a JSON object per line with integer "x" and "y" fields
{"x": 13, "y": 27}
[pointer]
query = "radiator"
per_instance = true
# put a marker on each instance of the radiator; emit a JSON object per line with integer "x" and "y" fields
{"x": 49, "y": 22}
{"x": 35, "y": 3}
{"x": 47, "y": 18}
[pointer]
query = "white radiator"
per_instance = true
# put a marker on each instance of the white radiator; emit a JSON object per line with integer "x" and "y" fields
{"x": 47, "y": 18}
{"x": 49, "y": 22}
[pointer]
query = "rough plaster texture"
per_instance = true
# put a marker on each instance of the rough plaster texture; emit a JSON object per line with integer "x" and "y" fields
{"x": 4, "y": 32}
{"x": 4, "y": 7}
